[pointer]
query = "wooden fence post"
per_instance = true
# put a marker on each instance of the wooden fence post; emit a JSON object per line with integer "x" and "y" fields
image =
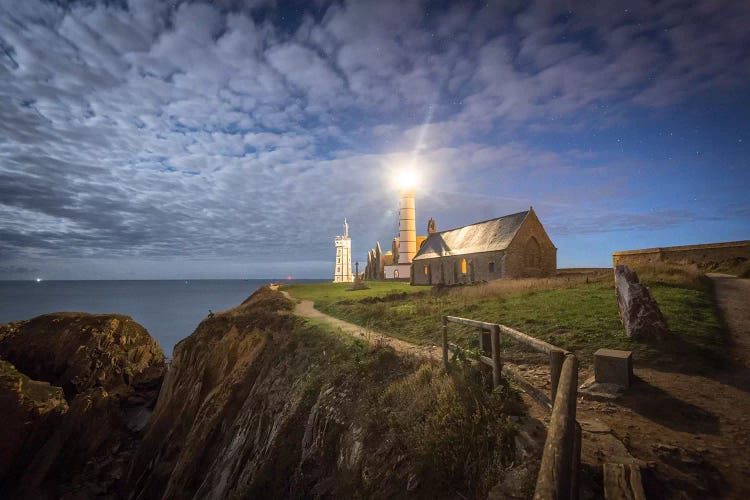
{"x": 497, "y": 363}
{"x": 576, "y": 466}
{"x": 445, "y": 342}
{"x": 556, "y": 359}
{"x": 556, "y": 476}
{"x": 485, "y": 344}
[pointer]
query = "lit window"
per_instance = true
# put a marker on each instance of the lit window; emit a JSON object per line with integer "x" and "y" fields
{"x": 492, "y": 267}
{"x": 425, "y": 270}
{"x": 463, "y": 266}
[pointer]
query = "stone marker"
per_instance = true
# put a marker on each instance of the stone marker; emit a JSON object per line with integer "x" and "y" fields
{"x": 639, "y": 312}
{"x": 613, "y": 367}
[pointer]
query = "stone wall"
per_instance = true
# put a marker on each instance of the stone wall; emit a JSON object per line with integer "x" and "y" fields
{"x": 531, "y": 253}
{"x": 483, "y": 266}
{"x": 708, "y": 256}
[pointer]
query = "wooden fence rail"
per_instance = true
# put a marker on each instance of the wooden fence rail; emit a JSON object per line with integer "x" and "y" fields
{"x": 558, "y": 474}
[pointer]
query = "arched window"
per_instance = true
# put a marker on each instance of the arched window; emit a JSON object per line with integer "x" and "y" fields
{"x": 425, "y": 270}
{"x": 463, "y": 266}
{"x": 395, "y": 273}
{"x": 533, "y": 253}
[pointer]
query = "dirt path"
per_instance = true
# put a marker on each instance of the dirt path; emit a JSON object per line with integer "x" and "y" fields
{"x": 692, "y": 431}
{"x": 306, "y": 309}
{"x": 733, "y": 295}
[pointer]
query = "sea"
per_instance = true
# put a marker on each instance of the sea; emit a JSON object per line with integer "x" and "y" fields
{"x": 169, "y": 309}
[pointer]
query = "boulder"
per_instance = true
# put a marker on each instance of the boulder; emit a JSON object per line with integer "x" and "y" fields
{"x": 639, "y": 312}
{"x": 78, "y": 351}
{"x": 75, "y": 390}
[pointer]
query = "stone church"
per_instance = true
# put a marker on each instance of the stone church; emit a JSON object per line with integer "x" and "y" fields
{"x": 512, "y": 246}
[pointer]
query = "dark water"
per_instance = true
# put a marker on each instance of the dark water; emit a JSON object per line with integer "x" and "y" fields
{"x": 170, "y": 310}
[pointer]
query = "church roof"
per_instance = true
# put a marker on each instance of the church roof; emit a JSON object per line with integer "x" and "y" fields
{"x": 490, "y": 235}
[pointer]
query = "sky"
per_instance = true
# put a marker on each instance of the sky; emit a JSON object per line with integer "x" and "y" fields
{"x": 173, "y": 140}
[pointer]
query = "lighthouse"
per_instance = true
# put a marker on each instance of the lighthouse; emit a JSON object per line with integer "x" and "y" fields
{"x": 407, "y": 227}
{"x": 407, "y": 242}
{"x": 343, "y": 268}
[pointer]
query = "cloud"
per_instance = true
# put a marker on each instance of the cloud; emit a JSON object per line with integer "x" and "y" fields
{"x": 204, "y": 130}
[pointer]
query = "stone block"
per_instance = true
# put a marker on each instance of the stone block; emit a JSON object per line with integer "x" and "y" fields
{"x": 639, "y": 312}
{"x": 613, "y": 367}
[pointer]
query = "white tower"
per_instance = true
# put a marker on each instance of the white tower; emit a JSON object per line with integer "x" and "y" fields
{"x": 343, "y": 273}
{"x": 407, "y": 227}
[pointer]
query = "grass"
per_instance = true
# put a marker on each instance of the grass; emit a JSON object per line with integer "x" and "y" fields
{"x": 452, "y": 426}
{"x": 327, "y": 293}
{"x": 576, "y": 312}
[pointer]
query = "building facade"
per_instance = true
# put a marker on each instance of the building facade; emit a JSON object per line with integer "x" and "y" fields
{"x": 512, "y": 246}
{"x": 343, "y": 267}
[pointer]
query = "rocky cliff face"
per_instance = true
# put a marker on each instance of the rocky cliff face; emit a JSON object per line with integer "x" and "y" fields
{"x": 258, "y": 404}
{"x": 74, "y": 388}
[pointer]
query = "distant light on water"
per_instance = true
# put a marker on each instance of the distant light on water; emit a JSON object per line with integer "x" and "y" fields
{"x": 38, "y": 280}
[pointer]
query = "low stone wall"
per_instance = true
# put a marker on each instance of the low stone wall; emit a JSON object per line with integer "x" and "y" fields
{"x": 708, "y": 256}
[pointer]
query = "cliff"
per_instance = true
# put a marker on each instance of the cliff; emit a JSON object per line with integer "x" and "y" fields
{"x": 75, "y": 389}
{"x": 259, "y": 404}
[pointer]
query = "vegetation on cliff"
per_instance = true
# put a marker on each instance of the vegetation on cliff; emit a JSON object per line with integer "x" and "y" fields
{"x": 259, "y": 403}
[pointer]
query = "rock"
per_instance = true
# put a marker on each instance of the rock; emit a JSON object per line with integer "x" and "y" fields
{"x": 594, "y": 426}
{"x": 623, "y": 481}
{"x": 30, "y": 412}
{"x": 82, "y": 442}
{"x": 78, "y": 351}
{"x": 95, "y": 376}
{"x": 594, "y": 390}
{"x": 412, "y": 483}
{"x": 639, "y": 313}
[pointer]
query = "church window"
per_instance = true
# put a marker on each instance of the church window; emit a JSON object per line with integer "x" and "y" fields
{"x": 395, "y": 273}
{"x": 492, "y": 267}
{"x": 425, "y": 270}
{"x": 463, "y": 266}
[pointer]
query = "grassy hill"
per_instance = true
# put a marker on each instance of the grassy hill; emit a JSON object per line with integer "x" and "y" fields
{"x": 576, "y": 311}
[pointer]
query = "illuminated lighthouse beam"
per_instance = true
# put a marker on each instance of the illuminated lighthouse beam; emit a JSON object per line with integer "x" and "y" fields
{"x": 408, "y": 180}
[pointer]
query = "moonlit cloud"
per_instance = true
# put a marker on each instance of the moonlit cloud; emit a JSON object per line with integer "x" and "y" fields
{"x": 137, "y": 133}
